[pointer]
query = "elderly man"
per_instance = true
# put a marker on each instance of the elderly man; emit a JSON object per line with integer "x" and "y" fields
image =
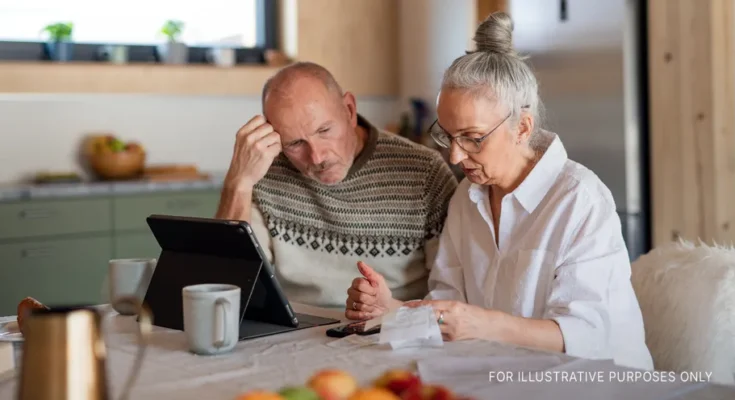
{"x": 326, "y": 191}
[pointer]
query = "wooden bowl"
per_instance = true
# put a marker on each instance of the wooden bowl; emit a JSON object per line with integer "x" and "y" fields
{"x": 118, "y": 165}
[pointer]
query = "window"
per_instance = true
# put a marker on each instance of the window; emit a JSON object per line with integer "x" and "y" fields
{"x": 247, "y": 25}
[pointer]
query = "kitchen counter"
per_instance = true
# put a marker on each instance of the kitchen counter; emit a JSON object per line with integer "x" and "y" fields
{"x": 24, "y": 192}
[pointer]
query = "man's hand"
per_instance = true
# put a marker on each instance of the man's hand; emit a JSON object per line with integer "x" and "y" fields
{"x": 369, "y": 296}
{"x": 256, "y": 146}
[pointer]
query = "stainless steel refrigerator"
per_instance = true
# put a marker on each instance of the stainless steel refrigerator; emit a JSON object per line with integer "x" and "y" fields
{"x": 590, "y": 59}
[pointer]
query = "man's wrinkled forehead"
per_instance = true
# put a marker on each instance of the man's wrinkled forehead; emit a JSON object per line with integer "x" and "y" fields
{"x": 299, "y": 119}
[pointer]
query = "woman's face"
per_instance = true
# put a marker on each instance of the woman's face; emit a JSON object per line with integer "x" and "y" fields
{"x": 470, "y": 116}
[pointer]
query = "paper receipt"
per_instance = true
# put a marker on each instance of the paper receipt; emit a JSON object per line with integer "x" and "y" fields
{"x": 406, "y": 327}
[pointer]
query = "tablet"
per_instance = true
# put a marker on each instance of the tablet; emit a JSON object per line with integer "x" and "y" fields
{"x": 202, "y": 250}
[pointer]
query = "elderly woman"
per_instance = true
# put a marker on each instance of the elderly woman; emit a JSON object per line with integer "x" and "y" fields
{"x": 532, "y": 251}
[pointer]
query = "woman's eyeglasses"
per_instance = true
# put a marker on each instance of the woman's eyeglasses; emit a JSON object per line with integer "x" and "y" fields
{"x": 468, "y": 144}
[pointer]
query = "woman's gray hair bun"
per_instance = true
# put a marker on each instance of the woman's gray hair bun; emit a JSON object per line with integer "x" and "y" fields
{"x": 495, "y": 70}
{"x": 495, "y": 34}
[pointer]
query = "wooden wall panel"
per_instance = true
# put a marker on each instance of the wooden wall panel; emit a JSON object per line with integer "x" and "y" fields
{"x": 723, "y": 125}
{"x": 357, "y": 40}
{"x": 487, "y": 7}
{"x": 692, "y": 94}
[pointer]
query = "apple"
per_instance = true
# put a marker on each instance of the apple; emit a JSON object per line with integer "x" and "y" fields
{"x": 260, "y": 395}
{"x": 397, "y": 381}
{"x": 299, "y": 393}
{"x": 428, "y": 392}
{"x": 374, "y": 393}
{"x": 333, "y": 384}
{"x": 117, "y": 145}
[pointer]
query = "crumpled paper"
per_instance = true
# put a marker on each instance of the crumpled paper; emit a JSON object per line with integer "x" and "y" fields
{"x": 410, "y": 327}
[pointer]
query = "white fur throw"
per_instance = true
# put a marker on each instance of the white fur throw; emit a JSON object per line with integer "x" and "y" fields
{"x": 687, "y": 297}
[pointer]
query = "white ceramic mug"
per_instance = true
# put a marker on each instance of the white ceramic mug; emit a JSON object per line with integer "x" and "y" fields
{"x": 129, "y": 277}
{"x": 211, "y": 317}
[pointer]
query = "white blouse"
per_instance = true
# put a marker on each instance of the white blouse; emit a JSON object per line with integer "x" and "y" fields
{"x": 561, "y": 256}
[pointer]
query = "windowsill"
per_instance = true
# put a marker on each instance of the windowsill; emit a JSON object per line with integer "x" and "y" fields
{"x": 95, "y": 77}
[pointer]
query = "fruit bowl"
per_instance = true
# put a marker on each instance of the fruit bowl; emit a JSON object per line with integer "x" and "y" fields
{"x": 112, "y": 159}
{"x": 120, "y": 165}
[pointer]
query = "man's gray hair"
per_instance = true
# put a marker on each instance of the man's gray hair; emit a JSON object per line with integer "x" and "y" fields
{"x": 494, "y": 69}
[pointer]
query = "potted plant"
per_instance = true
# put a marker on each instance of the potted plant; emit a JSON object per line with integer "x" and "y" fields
{"x": 173, "y": 51}
{"x": 59, "y": 45}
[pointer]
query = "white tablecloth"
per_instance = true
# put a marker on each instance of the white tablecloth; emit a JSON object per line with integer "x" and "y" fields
{"x": 170, "y": 371}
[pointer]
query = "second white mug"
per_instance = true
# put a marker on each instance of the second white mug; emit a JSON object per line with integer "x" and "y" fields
{"x": 129, "y": 277}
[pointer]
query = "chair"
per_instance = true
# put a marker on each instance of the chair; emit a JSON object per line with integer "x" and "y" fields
{"x": 687, "y": 296}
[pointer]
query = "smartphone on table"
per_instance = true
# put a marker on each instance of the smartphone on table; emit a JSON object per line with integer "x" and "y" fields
{"x": 357, "y": 328}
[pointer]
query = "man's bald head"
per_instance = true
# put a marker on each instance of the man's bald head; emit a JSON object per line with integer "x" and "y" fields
{"x": 298, "y": 77}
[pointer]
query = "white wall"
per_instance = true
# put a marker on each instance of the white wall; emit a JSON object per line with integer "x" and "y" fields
{"x": 43, "y": 132}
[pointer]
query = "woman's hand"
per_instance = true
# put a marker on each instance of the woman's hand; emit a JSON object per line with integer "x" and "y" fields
{"x": 369, "y": 296}
{"x": 461, "y": 321}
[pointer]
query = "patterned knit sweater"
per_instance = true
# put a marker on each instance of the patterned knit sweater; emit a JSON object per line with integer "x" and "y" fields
{"x": 387, "y": 212}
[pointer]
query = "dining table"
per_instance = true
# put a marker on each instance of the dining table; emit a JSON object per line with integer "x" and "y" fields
{"x": 473, "y": 368}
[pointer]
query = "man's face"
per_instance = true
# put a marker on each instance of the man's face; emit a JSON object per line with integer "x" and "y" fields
{"x": 317, "y": 129}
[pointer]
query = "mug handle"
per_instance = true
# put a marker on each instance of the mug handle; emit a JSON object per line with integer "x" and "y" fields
{"x": 145, "y": 326}
{"x": 224, "y": 305}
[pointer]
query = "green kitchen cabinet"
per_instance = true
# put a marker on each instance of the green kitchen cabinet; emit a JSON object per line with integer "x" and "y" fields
{"x": 65, "y": 271}
{"x": 130, "y": 212}
{"x": 57, "y": 249}
{"x": 136, "y": 245}
{"x": 29, "y": 219}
